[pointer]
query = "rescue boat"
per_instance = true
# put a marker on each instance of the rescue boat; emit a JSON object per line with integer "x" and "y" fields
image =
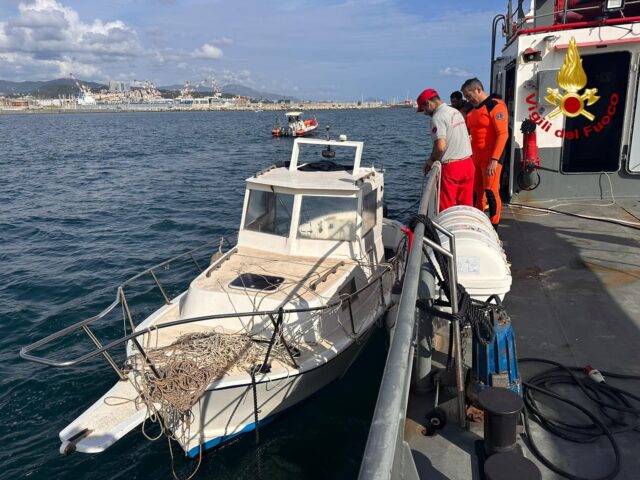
{"x": 296, "y": 126}
{"x": 564, "y": 268}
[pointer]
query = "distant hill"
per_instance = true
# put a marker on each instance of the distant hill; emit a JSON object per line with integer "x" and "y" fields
{"x": 235, "y": 89}
{"x": 16, "y": 88}
{"x": 66, "y": 86}
{"x": 48, "y": 89}
{"x": 171, "y": 88}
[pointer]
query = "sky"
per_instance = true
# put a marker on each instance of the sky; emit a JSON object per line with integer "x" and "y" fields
{"x": 310, "y": 49}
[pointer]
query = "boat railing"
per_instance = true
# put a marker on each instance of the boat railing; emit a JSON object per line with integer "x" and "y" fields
{"x": 122, "y": 301}
{"x": 276, "y": 317}
{"x": 517, "y": 22}
{"x": 387, "y": 455}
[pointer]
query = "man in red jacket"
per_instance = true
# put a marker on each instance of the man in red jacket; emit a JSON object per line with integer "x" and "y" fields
{"x": 488, "y": 126}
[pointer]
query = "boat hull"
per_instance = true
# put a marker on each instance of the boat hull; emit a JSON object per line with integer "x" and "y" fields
{"x": 223, "y": 414}
{"x": 308, "y": 130}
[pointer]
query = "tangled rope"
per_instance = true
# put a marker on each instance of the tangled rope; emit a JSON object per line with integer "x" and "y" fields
{"x": 185, "y": 369}
{"x": 189, "y": 365}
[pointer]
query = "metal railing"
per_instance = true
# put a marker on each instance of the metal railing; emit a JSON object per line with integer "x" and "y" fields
{"x": 386, "y": 451}
{"x": 275, "y": 316}
{"x": 457, "y": 341}
{"x": 120, "y": 300}
{"x": 516, "y": 20}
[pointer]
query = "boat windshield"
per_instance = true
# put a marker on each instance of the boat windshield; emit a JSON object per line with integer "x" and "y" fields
{"x": 328, "y": 218}
{"x": 269, "y": 212}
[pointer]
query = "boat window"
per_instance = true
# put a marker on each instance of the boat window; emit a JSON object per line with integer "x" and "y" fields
{"x": 596, "y": 144}
{"x": 269, "y": 212}
{"x": 369, "y": 204}
{"x": 328, "y": 218}
{"x": 256, "y": 281}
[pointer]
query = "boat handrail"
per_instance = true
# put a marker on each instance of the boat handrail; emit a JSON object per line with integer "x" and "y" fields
{"x": 119, "y": 300}
{"x": 517, "y": 23}
{"x": 295, "y": 153}
{"x": 104, "y": 349}
{"x": 385, "y": 444}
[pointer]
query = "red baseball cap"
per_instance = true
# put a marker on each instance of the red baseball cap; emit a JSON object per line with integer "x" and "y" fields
{"x": 428, "y": 94}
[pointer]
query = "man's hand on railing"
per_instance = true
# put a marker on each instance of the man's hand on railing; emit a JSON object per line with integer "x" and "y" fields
{"x": 426, "y": 168}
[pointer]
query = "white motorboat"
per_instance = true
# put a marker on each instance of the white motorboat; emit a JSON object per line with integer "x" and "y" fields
{"x": 268, "y": 323}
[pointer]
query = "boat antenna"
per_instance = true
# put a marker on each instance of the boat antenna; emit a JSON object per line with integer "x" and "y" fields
{"x": 328, "y": 153}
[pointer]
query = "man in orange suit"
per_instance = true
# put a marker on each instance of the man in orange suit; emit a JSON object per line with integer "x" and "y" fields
{"x": 488, "y": 126}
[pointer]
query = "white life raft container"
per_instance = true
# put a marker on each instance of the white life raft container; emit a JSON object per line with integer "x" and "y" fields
{"x": 482, "y": 264}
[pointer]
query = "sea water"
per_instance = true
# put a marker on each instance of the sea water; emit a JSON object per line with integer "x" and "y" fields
{"x": 86, "y": 201}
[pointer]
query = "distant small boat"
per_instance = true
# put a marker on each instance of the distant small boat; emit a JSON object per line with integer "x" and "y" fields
{"x": 296, "y": 126}
{"x": 408, "y": 103}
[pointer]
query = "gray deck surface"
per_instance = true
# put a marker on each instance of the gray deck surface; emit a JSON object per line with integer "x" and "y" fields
{"x": 575, "y": 299}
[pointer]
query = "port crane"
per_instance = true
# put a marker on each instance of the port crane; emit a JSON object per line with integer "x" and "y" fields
{"x": 215, "y": 87}
{"x": 186, "y": 91}
{"x": 85, "y": 97}
{"x": 147, "y": 89}
{"x": 83, "y": 88}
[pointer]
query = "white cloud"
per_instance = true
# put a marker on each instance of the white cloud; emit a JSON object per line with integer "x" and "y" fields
{"x": 454, "y": 72}
{"x": 45, "y": 33}
{"x": 208, "y": 51}
{"x": 222, "y": 41}
{"x": 79, "y": 69}
{"x": 46, "y": 25}
{"x": 242, "y": 77}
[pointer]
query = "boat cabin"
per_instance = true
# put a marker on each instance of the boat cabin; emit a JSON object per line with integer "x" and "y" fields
{"x": 587, "y": 143}
{"x": 294, "y": 120}
{"x": 310, "y": 231}
{"x": 316, "y": 208}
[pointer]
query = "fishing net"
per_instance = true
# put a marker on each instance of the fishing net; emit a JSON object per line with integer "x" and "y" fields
{"x": 188, "y": 366}
{"x": 172, "y": 379}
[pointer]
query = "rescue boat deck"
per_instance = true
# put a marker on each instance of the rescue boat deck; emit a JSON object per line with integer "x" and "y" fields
{"x": 575, "y": 300}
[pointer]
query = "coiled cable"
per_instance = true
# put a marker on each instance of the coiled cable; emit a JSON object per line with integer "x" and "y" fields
{"x": 614, "y": 404}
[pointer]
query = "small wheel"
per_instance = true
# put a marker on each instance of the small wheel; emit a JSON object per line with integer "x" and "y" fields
{"x": 436, "y": 419}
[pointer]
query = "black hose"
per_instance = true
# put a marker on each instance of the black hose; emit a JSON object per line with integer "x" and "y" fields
{"x": 523, "y": 186}
{"x": 613, "y": 403}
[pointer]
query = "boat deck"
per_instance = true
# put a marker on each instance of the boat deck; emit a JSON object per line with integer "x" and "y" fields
{"x": 574, "y": 300}
{"x": 305, "y": 278}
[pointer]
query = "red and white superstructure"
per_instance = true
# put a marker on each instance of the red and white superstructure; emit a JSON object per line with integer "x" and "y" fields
{"x": 584, "y": 129}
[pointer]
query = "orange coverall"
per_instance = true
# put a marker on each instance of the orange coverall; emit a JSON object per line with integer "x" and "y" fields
{"x": 487, "y": 124}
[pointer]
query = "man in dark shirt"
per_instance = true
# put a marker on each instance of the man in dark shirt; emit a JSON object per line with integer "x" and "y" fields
{"x": 459, "y": 103}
